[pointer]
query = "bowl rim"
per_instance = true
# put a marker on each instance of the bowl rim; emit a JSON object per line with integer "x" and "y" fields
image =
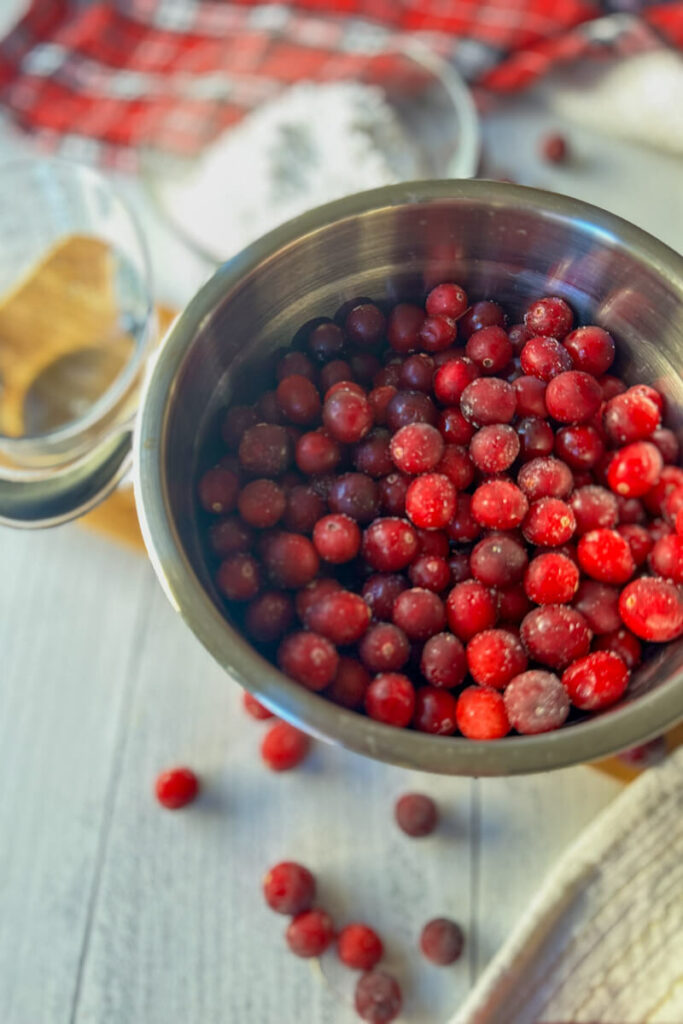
{"x": 600, "y": 736}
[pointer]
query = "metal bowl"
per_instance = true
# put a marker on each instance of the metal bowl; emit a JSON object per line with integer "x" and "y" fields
{"x": 498, "y": 240}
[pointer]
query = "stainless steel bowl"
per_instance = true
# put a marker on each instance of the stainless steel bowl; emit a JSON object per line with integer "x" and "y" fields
{"x": 499, "y": 240}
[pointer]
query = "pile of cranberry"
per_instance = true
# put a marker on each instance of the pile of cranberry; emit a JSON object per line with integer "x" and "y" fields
{"x": 449, "y": 523}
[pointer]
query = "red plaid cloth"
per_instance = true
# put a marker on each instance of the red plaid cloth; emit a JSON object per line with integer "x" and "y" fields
{"x": 106, "y": 78}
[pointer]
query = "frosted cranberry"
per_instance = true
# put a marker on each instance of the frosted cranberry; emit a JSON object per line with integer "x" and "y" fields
{"x": 498, "y": 560}
{"x": 364, "y": 366}
{"x": 670, "y": 478}
{"x": 443, "y": 662}
{"x": 631, "y": 510}
{"x": 494, "y": 448}
{"x": 596, "y": 681}
{"x": 419, "y": 613}
{"x": 551, "y": 579}
{"x": 581, "y": 447}
{"x": 236, "y": 421}
{"x": 308, "y": 658}
{"x": 632, "y": 416}
{"x": 416, "y": 448}
{"x": 499, "y": 505}
{"x": 390, "y": 698}
{"x": 430, "y": 501}
{"x": 265, "y": 450}
{"x": 365, "y": 324}
{"x": 416, "y": 815}
{"x": 342, "y": 617}
{"x": 347, "y": 416}
{"x": 269, "y": 616}
{"x": 555, "y": 635}
{"x": 389, "y": 544}
{"x": 649, "y": 392}
{"x": 377, "y": 999}
{"x": 518, "y": 334}
{"x": 549, "y": 523}
{"x": 459, "y": 565}
{"x": 611, "y": 386}
{"x": 652, "y": 609}
{"x": 355, "y": 495}
{"x": 545, "y": 478}
{"x": 606, "y": 556}
{"x": 433, "y": 542}
{"x": 294, "y": 362}
{"x": 283, "y": 747}
{"x": 392, "y": 493}
{"x": 513, "y": 604}
{"x": 623, "y": 643}
{"x": 298, "y": 399}
{"x": 437, "y": 333}
{"x": 435, "y": 711}
{"x": 536, "y": 702}
{"x": 490, "y": 349}
{"x": 410, "y": 407}
{"x": 536, "y": 438}
{"x": 451, "y": 379}
{"x": 313, "y": 592}
{"x": 667, "y": 442}
{"x": 482, "y": 314}
{"x": 454, "y": 428}
{"x": 218, "y": 488}
{"x": 268, "y": 409}
{"x": 317, "y": 452}
{"x": 255, "y": 708}
{"x": 372, "y": 455}
{"x": 310, "y": 933}
{"x": 380, "y": 591}
{"x": 442, "y": 941}
{"x": 545, "y": 358}
{"x": 326, "y": 342}
{"x": 463, "y": 527}
{"x": 635, "y": 469}
{"x": 494, "y": 657}
{"x": 289, "y": 888}
{"x": 384, "y": 648}
{"x": 379, "y": 399}
{"x": 337, "y": 538}
{"x": 530, "y": 396}
{"x": 591, "y": 349}
{"x": 430, "y": 572}
{"x": 417, "y": 372}
{"x": 573, "y": 397}
{"x": 470, "y": 608}
{"x": 639, "y": 541}
{"x": 176, "y": 788}
{"x": 228, "y": 536}
{"x": 594, "y": 508}
{"x": 554, "y": 149}
{"x": 304, "y": 509}
{"x": 488, "y": 400}
{"x": 239, "y": 577}
{"x": 481, "y": 714}
{"x": 262, "y": 503}
{"x": 446, "y": 299}
{"x": 359, "y": 947}
{"x": 456, "y": 464}
{"x": 550, "y": 316}
{"x": 349, "y": 684}
{"x": 659, "y": 528}
{"x": 403, "y": 327}
{"x": 291, "y": 560}
{"x": 599, "y": 605}
{"x": 666, "y": 558}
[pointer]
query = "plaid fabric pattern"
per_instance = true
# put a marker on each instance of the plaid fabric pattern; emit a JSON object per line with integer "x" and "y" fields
{"x": 101, "y": 80}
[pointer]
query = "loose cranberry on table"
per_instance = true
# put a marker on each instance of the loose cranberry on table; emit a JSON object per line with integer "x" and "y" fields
{"x": 442, "y": 941}
{"x": 310, "y": 933}
{"x": 536, "y": 702}
{"x": 284, "y": 747}
{"x": 378, "y": 998}
{"x": 289, "y": 888}
{"x": 416, "y": 814}
{"x": 554, "y": 148}
{"x": 359, "y": 947}
{"x": 176, "y": 788}
{"x": 254, "y": 707}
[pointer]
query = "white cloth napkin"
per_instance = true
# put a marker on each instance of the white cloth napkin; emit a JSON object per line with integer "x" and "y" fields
{"x": 602, "y": 942}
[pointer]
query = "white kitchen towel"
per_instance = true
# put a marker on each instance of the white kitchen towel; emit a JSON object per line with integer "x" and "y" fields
{"x": 602, "y": 942}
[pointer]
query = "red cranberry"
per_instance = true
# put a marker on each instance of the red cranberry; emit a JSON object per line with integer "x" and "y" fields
{"x": 262, "y": 503}
{"x": 536, "y": 702}
{"x": 380, "y": 591}
{"x": 410, "y": 407}
{"x": 456, "y": 464}
{"x": 651, "y": 393}
{"x": 389, "y": 544}
{"x": 494, "y": 448}
{"x": 349, "y": 684}
{"x": 239, "y": 577}
{"x": 384, "y": 648}
{"x": 437, "y": 333}
{"x": 446, "y": 299}
{"x": 454, "y": 428}
{"x": 355, "y": 495}
{"x": 433, "y": 542}
{"x": 482, "y": 314}
{"x": 490, "y": 349}
{"x": 390, "y": 698}
{"x": 304, "y": 509}
{"x": 392, "y": 493}
{"x": 228, "y": 536}
{"x": 377, "y": 998}
{"x": 536, "y": 438}
{"x": 218, "y": 489}
{"x": 599, "y": 605}
{"x": 635, "y": 469}
{"x": 494, "y": 657}
{"x": 265, "y": 450}
{"x": 652, "y": 609}
{"x": 254, "y": 708}
{"x": 365, "y": 324}
{"x": 499, "y": 505}
{"x": 667, "y": 442}
{"x": 419, "y": 613}
{"x": 337, "y": 538}
{"x": 666, "y": 558}
{"x": 310, "y": 933}
{"x": 481, "y": 714}
{"x": 551, "y": 317}
{"x": 416, "y": 814}
{"x": 346, "y": 415}
{"x": 554, "y": 149}
{"x": 289, "y": 888}
{"x": 639, "y": 541}
{"x": 555, "y": 635}
{"x": 342, "y": 617}
{"x": 672, "y": 504}
{"x": 470, "y": 608}
{"x": 176, "y": 788}
{"x": 549, "y": 523}
{"x": 284, "y": 747}
{"x": 435, "y": 711}
{"x": 670, "y": 478}
{"x": 442, "y": 941}
{"x": 269, "y": 616}
{"x": 659, "y": 528}
{"x": 417, "y": 372}
{"x": 294, "y": 362}
{"x": 488, "y": 400}
{"x": 291, "y": 560}
{"x": 591, "y": 349}
{"x": 513, "y": 604}
{"x": 632, "y": 416}
{"x": 416, "y": 448}
{"x": 359, "y": 947}
{"x": 308, "y": 658}
{"x": 316, "y": 452}
{"x": 498, "y": 560}
{"x": 551, "y": 579}
{"x": 545, "y": 478}
{"x": 623, "y": 643}
{"x": 313, "y": 592}
{"x": 611, "y": 386}
{"x": 372, "y": 455}
{"x": 443, "y": 662}
{"x": 431, "y": 501}
{"x": 581, "y": 447}
{"x": 596, "y": 681}
{"x": 573, "y": 397}
{"x": 326, "y": 342}
{"x": 236, "y": 421}
{"x": 451, "y": 379}
{"x": 403, "y": 327}
{"x": 430, "y": 572}
{"x": 545, "y": 358}
{"x": 379, "y": 399}
{"x": 530, "y": 396}
{"x": 518, "y": 335}
{"x": 446, "y": 356}
{"x": 364, "y": 366}
{"x": 606, "y": 556}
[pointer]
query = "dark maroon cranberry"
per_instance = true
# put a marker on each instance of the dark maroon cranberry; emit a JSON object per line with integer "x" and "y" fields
{"x": 265, "y": 450}
{"x": 377, "y": 998}
{"x": 392, "y": 493}
{"x": 593, "y": 507}
{"x": 531, "y": 396}
{"x": 298, "y": 400}
{"x": 294, "y": 362}
{"x": 410, "y": 407}
{"x": 435, "y": 711}
{"x": 442, "y": 941}
{"x": 326, "y": 342}
{"x": 384, "y": 648}
{"x": 239, "y": 577}
{"x": 403, "y": 327}
{"x": 290, "y": 560}
{"x": 237, "y": 419}
{"x": 459, "y": 565}
{"x": 454, "y": 428}
{"x": 380, "y": 591}
{"x": 545, "y": 358}
{"x": 536, "y": 438}
{"x": 513, "y": 603}
{"x": 365, "y": 324}
{"x": 463, "y": 527}
{"x": 372, "y": 455}
{"x": 623, "y": 643}
{"x": 419, "y": 613}
{"x": 490, "y": 349}
{"x": 349, "y": 684}
{"x": 269, "y": 616}
{"x": 667, "y": 442}
{"x": 268, "y": 408}
{"x": 304, "y": 509}
{"x": 218, "y": 489}
{"x": 313, "y": 592}
{"x": 379, "y": 399}
{"x": 364, "y": 366}
{"x": 443, "y": 662}
{"x": 581, "y": 447}
{"x": 431, "y": 572}
{"x": 347, "y": 416}
{"x": 416, "y": 373}
{"x": 337, "y": 538}
{"x": 555, "y": 635}
{"x": 316, "y": 452}
{"x": 416, "y": 814}
{"x": 262, "y": 503}
{"x": 481, "y": 314}
{"x": 499, "y": 560}
{"x": 228, "y": 536}
{"x": 354, "y": 495}
{"x": 334, "y": 373}
{"x": 456, "y": 464}
{"x": 433, "y": 542}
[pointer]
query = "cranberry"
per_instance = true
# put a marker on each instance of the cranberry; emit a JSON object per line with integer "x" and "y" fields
{"x": 410, "y": 407}
{"x": 310, "y": 933}
{"x": 545, "y": 358}
{"x": 308, "y": 658}
{"x": 513, "y": 604}
{"x": 531, "y": 396}
{"x": 419, "y": 613}
{"x": 377, "y": 998}
{"x": 228, "y": 536}
{"x": 430, "y": 572}
{"x": 599, "y": 605}
{"x": 218, "y": 489}
{"x": 430, "y": 501}
{"x": 446, "y": 299}
{"x": 265, "y": 450}
{"x": 435, "y": 711}
{"x": 463, "y": 526}
{"x": 666, "y": 558}
{"x": 536, "y": 702}
{"x": 294, "y": 362}
{"x": 384, "y": 648}
{"x": 372, "y": 455}
{"x": 268, "y": 409}
{"x": 494, "y": 657}
{"x": 379, "y": 399}
{"x": 581, "y": 447}
{"x": 488, "y": 400}
{"x": 454, "y": 428}
{"x": 494, "y": 448}
{"x": 326, "y": 342}
{"x": 573, "y": 397}
{"x": 459, "y": 565}
{"x": 442, "y": 941}
{"x": 593, "y": 507}
{"x": 380, "y": 591}
{"x": 606, "y": 556}
{"x": 347, "y": 416}
{"x": 356, "y": 496}
{"x": 551, "y": 317}
{"x": 392, "y": 493}
{"x": 443, "y": 662}
{"x": 269, "y": 616}
{"x": 470, "y": 608}
{"x": 611, "y": 386}
{"x": 316, "y": 452}
{"x": 518, "y": 335}
{"x": 596, "y": 681}
{"x": 672, "y": 504}
{"x": 490, "y": 349}
{"x": 437, "y": 333}
{"x": 554, "y": 149}
{"x": 670, "y": 478}
{"x": 289, "y": 888}
{"x": 667, "y": 442}
{"x": 262, "y": 503}
{"x": 359, "y": 947}
{"x": 549, "y": 523}
{"x": 499, "y": 504}
{"x": 236, "y": 421}
{"x": 291, "y": 560}
{"x": 417, "y": 372}
{"x": 433, "y": 542}
{"x": 390, "y": 698}
{"x": 498, "y": 560}
{"x": 365, "y": 324}
{"x": 481, "y": 714}
{"x": 652, "y": 609}
{"x": 389, "y": 374}
{"x": 639, "y": 541}
{"x": 176, "y": 788}
{"x": 622, "y": 642}
{"x": 591, "y": 349}
{"x": 254, "y": 708}
{"x": 313, "y": 592}
{"x": 284, "y": 747}
{"x": 365, "y": 366}
{"x": 239, "y": 577}
{"x": 342, "y": 617}
{"x": 551, "y": 579}
{"x": 416, "y": 448}
{"x": 635, "y": 469}
{"x": 555, "y": 635}
{"x": 456, "y": 464}
{"x": 349, "y": 684}
{"x": 416, "y": 814}
{"x": 536, "y": 438}
{"x": 389, "y": 544}
{"x": 451, "y": 379}
{"x": 304, "y": 509}
{"x": 337, "y": 538}
{"x": 298, "y": 399}
{"x": 482, "y": 314}
{"x": 545, "y": 478}
{"x": 403, "y": 327}
{"x": 632, "y": 416}
{"x": 345, "y": 385}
